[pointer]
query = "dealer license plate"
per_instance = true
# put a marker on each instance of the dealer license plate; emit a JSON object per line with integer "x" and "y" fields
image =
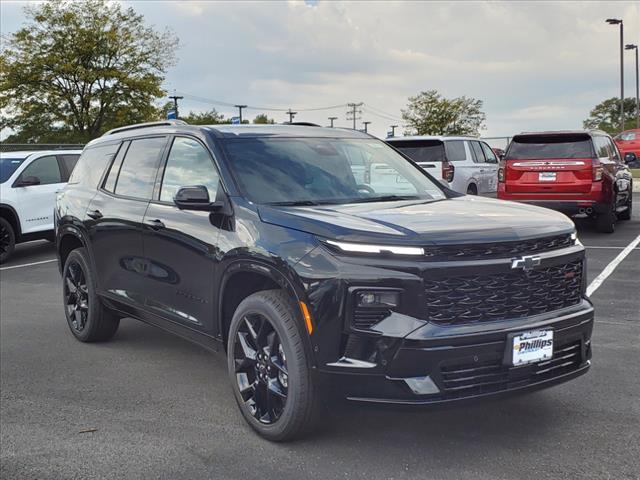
{"x": 547, "y": 176}
{"x": 530, "y": 347}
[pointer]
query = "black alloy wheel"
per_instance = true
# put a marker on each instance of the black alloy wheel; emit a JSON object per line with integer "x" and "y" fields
{"x": 76, "y": 296}
{"x": 261, "y": 368}
{"x": 7, "y": 240}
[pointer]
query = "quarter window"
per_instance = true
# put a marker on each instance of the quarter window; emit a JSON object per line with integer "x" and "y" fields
{"x": 189, "y": 164}
{"x": 45, "y": 169}
{"x": 138, "y": 171}
{"x": 69, "y": 161}
{"x": 602, "y": 147}
{"x": 455, "y": 151}
{"x": 614, "y": 150}
{"x": 478, "y": 156}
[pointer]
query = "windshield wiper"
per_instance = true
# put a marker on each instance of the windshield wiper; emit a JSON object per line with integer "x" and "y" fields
{"x": 387, "y": 198}
{"x": 296, "y": 203}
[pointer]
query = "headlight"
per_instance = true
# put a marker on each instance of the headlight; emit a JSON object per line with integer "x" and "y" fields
{"x": 367, "y": 248}
{"x": 574, "y": 239}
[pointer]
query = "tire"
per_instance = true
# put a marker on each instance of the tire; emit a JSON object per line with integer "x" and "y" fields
{"x": 626, "y": 214}
{"x": 263, "y": 380}
{"x": 88, "y": 319}
{"x": 472, "y": 190}
{"x": 606, "y": 221}
{"x": 7, "y": 240}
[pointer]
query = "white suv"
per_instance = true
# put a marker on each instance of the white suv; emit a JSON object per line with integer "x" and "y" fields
{"x": 468, "y": 164}
{"x": 28, "y": 185}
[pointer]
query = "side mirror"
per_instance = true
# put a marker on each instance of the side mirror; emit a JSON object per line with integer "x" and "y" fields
{"x": 195, "y": 197}
{"x": 27, "y": 182}
{"x": 630, "y": 157}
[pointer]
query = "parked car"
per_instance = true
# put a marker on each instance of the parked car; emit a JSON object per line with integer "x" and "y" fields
{"x": 28, "y": 182}
{"x": 262, "y": 242}
{"x": 468, "y": 164}
{"x": 576, "y": 172}
{"x": 628, "y": 143}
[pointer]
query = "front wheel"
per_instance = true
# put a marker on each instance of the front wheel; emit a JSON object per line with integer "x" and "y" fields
{"x": 626, "y": 214}
{"x": 7, "y": 240}
{"x": 88, "y": 319}
{"x": 269, "y": 368}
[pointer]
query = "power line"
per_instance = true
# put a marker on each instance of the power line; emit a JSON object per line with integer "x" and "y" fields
{"x": 382, "y": 113}
{"x": 255, "y": 107}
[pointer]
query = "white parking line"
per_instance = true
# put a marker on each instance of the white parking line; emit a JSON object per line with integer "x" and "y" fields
{"x": 610, "y": 248}
{"x": 28, "y": 264}
{"x": 611, "y": 267}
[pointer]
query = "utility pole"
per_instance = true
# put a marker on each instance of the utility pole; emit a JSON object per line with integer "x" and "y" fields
{"x": 618, "y": 21}
{"x": 631, "y": 46}
{"x": 291, "y": 115}
{"x": 366, "y": 124}
{"x": 393, "y": 130}
{"x": 332, "y": 119}
{"x": 240, "y": 107}
{"x": 352, "y": 114}
{"x": 175, "y": 99}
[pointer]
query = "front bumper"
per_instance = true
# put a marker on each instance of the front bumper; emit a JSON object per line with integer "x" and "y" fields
{"x": 468, "y": 366}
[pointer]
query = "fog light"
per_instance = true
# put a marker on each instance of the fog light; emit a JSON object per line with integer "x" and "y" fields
{"x": 377, "y": 299}
{"x": 422, "y": 385}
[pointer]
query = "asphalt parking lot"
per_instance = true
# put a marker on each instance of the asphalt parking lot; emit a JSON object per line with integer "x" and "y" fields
{"x": 150, "y": 405}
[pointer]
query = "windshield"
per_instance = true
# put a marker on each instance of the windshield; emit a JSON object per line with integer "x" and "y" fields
{"x": 626, "y": 136}
{"x": 8, "y": 166}
{"x": 421, "y": 150}
{"x": 540, "y": 147}
{"x": 309, "y": 171}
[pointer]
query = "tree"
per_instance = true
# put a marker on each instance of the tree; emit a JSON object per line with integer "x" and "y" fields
{"x": 606, "y": 115}
{"x": 429, "y": 113}
{"x": 76, "y": 69}
{"x": 212, "y": 117}
{"x": 262, "y": 119}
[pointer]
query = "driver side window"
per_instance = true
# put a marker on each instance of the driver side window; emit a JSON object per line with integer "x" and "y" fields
{"x": 45, "y": 169}
{"x": 189, "y": 164}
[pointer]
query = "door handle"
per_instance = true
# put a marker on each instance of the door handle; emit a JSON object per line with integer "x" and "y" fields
{"x": 482, "y": 170}
{"x": 155, "y": 224}
{"x": 95, "y": 214}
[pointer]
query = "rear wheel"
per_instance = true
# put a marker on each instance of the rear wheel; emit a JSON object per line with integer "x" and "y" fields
{"x": 269, "y": 368}
{"x": 88, "y": 319}
{"x": 606, "y": 221}
{"x": 472, "y": 190}
{"x": 7, "y": 240}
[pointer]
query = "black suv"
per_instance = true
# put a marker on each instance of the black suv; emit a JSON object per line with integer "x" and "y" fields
{"x": 270, "y": 244}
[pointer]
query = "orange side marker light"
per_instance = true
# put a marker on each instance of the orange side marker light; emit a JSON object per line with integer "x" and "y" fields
{"x": 307, "y": 317}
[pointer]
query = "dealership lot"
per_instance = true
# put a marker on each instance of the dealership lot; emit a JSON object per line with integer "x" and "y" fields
{"x": 150, "y": 405}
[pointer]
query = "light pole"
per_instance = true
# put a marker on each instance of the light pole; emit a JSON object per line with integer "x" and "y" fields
{"x": 332, "y": 119}
{"x": 618, "y": 21}
{"x": 393, "y": 130}
{"x": 631, "y": 46}
{"x": 291, "y": 115}
{"x": 366, "y": 124}
{"x": 240, "y": 107}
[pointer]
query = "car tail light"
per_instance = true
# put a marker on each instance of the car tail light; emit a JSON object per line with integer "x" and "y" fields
{"x": 501, "y": 171}
{"x": 597, "y": 170}
{"x": 447, "y": 171}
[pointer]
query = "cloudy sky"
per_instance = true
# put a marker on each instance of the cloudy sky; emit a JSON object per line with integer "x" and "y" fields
{"x": 535, "y": 65}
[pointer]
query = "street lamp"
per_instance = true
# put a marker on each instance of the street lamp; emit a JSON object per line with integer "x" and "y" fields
{"x": 618, "y": 21}
{"x": 631, "y": 46}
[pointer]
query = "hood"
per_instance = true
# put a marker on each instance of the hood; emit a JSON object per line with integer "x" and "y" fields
{"x": 465, "y": 219}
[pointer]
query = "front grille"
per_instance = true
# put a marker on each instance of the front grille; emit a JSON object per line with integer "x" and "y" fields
{"x": 480, "y": 298}
{"x": 465, "y": 377}
{"x": 447, "y": 253}
{"x": 366, "y": 317}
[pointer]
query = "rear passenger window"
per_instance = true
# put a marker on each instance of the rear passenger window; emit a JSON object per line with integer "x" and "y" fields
{"x": 476, "y": 149}
{"x": 602, "y": 147}
{"x": 69, "y": 161}
{"x": 455, "y": 151}
{"x": 45, "y": 169}
{"x": 92, "y": 164}
{"x": 488, "y": 153}
{"x": 138, "y": 171}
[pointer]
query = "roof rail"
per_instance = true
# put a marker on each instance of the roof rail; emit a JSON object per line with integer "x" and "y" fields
{"x": 145, "y": 125}
{"x": 301, "y": 124}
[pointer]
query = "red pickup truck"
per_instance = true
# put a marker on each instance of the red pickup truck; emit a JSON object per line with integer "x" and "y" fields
{"x": 628, "y": 143}
{"x": 580, "y": 173}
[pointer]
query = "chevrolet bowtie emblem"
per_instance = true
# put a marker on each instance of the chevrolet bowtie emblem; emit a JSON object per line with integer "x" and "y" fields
{"x": 528, "y": 262}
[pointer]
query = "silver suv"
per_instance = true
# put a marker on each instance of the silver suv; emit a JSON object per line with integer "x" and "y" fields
{"x": 468, "y": 164}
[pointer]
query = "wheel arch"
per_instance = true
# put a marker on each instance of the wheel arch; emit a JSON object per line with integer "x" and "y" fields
{"x": 9, "y": 213}
{"x": 246, "y": 277}
{"x": 69, "y": 238}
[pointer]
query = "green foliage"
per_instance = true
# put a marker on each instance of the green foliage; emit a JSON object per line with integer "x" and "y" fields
{"x": 262, "y": 119}
{"x": 429, "y": 113}
{"x": 76, "y": 69}
{"x": 212, "y": 117}
{"x": 606, "y": 115}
